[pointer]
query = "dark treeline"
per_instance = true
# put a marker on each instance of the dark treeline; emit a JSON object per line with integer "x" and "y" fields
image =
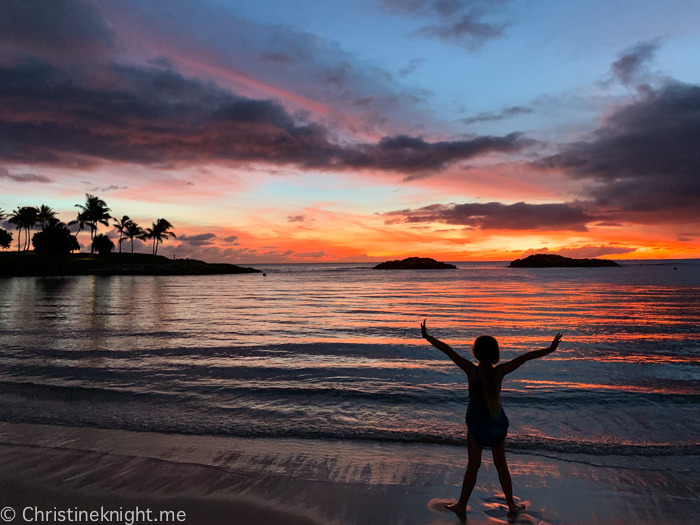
{"x": 55, "y": 236}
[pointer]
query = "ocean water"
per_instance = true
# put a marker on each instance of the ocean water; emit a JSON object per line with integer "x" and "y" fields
{"x": 334, "y": 351}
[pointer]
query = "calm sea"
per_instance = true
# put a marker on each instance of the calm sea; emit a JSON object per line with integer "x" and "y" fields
{"x": 334, "y": 351}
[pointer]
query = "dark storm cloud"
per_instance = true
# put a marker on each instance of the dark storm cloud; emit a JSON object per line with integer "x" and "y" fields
{"x": 502, "y": 115}
{"x": 645, "y": 157}
{"x": 458, "y": 22}
{"x": 498, "y": 216}
{"x": 633, "y": 63}
{"x": 157, "y": 116}
{"x": 52, "y": 28}
{"x": 24, "y": 177}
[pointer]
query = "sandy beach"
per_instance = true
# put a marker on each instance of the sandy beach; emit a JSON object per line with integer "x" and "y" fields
{"x": 262, "y": 481}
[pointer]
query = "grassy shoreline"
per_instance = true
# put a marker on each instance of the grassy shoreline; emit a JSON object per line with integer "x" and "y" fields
{"x": 27, "y": 264}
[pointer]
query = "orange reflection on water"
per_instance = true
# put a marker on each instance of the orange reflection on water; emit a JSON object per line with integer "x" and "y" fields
{"x": 635, "y": 359}
{"x": 536, "y": 384}
{"x": 297, "y": 361}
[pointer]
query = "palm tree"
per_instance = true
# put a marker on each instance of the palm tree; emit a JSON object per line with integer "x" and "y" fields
{"x": 159, "y": 232}
{"x": 94, "y": 212}
{"x": 80, "y": 221}
{"x": 121, "y": 226}
{"x": 44, "y": 216}
{"x": 29, "y": 217}
{"x": 16, "y": 219}
{"x": 133, "y": 230}
{"x": 3, "y": 214}
{"x": 24, "y": 218}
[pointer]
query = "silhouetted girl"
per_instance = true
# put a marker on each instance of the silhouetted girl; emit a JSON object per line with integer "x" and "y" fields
{"x": 487, "y": 423}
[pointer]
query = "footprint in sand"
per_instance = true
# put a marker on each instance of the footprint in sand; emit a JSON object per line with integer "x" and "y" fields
{"x": 496, "y": 508}
{"x": 438, "y": 505}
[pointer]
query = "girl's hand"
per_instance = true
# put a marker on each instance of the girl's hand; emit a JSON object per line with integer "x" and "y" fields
{"x": 424, "y": 330}
{"x": 555, "y": 343}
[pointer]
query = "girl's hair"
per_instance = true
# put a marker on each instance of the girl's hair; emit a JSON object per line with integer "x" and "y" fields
{"x": 486, "y": 351}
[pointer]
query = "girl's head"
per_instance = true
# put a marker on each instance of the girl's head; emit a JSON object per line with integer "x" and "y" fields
{"x": 486, "y": 349}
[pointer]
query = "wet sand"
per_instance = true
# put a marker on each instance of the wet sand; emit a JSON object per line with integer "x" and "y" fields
{"x": 298, "y": 482}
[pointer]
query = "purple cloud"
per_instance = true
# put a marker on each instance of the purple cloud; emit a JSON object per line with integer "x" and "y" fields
{"x": 24, "y": 177}
{"x": 642, "y": 164}
{"x": 498, "y": 216}
{"x": 201, "y": 239}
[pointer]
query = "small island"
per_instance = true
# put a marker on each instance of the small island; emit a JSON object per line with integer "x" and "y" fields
{"x": 548, "y": 260}
{"x": 415, "y": 263}
{"x": 25, "y": 264}
{"x": 55, "y": 244}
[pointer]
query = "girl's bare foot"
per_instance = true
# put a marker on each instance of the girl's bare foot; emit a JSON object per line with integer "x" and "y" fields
{"x": 513, "y": 509}
{"x": 460, "y": 510}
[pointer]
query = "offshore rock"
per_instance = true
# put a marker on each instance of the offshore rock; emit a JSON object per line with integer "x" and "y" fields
{"x": 548, "y": 260}
{"x": 415, "y": 263}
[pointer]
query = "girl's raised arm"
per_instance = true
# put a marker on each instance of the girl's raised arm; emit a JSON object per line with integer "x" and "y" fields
{"x": 510, "y": 366}
{"x": 466, "y": 365}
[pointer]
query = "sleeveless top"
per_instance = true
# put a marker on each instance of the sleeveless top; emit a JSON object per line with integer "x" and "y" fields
{"x": 486, "y": 429}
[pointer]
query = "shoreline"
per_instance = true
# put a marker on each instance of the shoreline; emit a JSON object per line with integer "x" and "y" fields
{"x": 30, "y": 264}
{"x": 306, "y": 482}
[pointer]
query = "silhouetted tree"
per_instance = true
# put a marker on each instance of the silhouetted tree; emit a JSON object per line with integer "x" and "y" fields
{"x": 121, "y": 226}
{"x": 159, "y": 232}
{"x": 24, "y": 218}
{"x": 44, "y": 215}
{"x": 5, "y": 238}
{"x": 133, "y": 230}
{"x": 94, "y": 212}
{"x": 17, "y": 221}
{"x": 56, "y": 238}
{"x": 103, "y": 244}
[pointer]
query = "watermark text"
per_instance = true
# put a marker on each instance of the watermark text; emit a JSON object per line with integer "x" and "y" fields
{"x": 76, "y": 515}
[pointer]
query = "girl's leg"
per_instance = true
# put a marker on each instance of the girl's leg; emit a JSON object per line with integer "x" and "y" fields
{"x": 499, "y": 460}
{"x": 474, "y": 462}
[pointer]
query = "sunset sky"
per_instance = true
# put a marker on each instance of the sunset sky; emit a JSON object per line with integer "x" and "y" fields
{"x": 301, "y": 131}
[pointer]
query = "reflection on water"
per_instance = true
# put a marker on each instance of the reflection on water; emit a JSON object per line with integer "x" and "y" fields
{"x": 356, "y": 305}
{"x": 335, "y": 351}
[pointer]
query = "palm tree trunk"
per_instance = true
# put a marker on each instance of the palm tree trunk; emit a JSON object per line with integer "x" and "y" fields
{"x": 19, "y": 238}
{"x": 132, "y": 246}
{"x": 120, "y": 244}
